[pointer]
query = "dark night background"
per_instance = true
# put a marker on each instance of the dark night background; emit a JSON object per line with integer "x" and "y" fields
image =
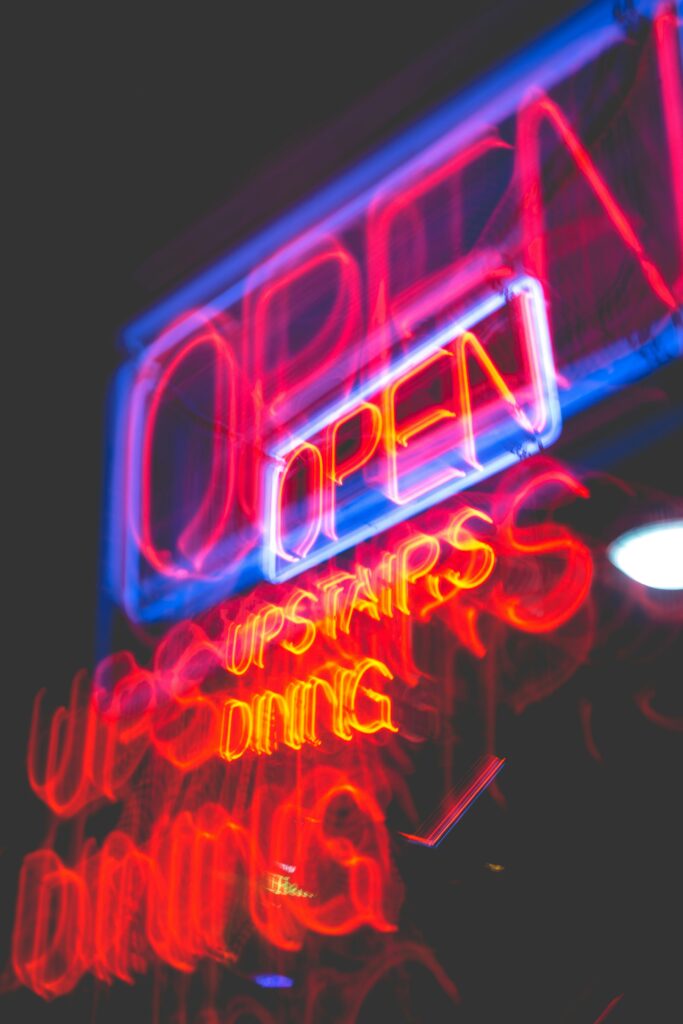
{"x": 126, "y": 132}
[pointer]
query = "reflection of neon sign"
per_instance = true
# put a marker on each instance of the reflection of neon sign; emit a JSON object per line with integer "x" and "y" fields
{"x": 170, "y": 885}
{"x": 297, "y": 397}
{"x": 174, "y": 898}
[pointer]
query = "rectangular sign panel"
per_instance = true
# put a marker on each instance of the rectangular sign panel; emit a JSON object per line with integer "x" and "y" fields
{"x": 426, "y": 320}
{"x": 465, "y": 402}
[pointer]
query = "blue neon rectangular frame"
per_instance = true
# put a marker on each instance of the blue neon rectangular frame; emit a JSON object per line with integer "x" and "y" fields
{"x": 452, "y": 126}
{"x": 377, "y": 513}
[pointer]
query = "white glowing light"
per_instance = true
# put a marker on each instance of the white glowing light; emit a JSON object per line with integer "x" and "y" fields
{"x": 651, "y": 555}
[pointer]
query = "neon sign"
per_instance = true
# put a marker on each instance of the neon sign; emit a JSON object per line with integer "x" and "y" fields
{"x": 392, "y": 347}
{"x": 212, "y": 826}
{"x": 96, "y": 746}
{"x": 173, "y": 897}
{"x": 431, "y": 318}
{"x": 399, "y": 466}
{"x": 170, "y": 884}
{"x": 297, "y": 712}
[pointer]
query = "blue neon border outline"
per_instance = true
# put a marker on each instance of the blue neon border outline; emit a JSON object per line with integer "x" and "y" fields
{"x": 553, "y": 56}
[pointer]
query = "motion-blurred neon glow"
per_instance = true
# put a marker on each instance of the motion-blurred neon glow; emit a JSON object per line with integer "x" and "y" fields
{"x": 439, "y": 313}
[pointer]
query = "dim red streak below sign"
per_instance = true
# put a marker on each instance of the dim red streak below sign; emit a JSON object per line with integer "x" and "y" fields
{"x": 456, "y": 804}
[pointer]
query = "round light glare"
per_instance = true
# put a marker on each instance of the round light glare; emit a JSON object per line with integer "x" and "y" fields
{"x": 651, "y": 555}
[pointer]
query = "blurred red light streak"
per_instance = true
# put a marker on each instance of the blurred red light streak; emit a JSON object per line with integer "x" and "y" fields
{"x": 608, "y": 1009}
{"x": 462, "y": 802}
